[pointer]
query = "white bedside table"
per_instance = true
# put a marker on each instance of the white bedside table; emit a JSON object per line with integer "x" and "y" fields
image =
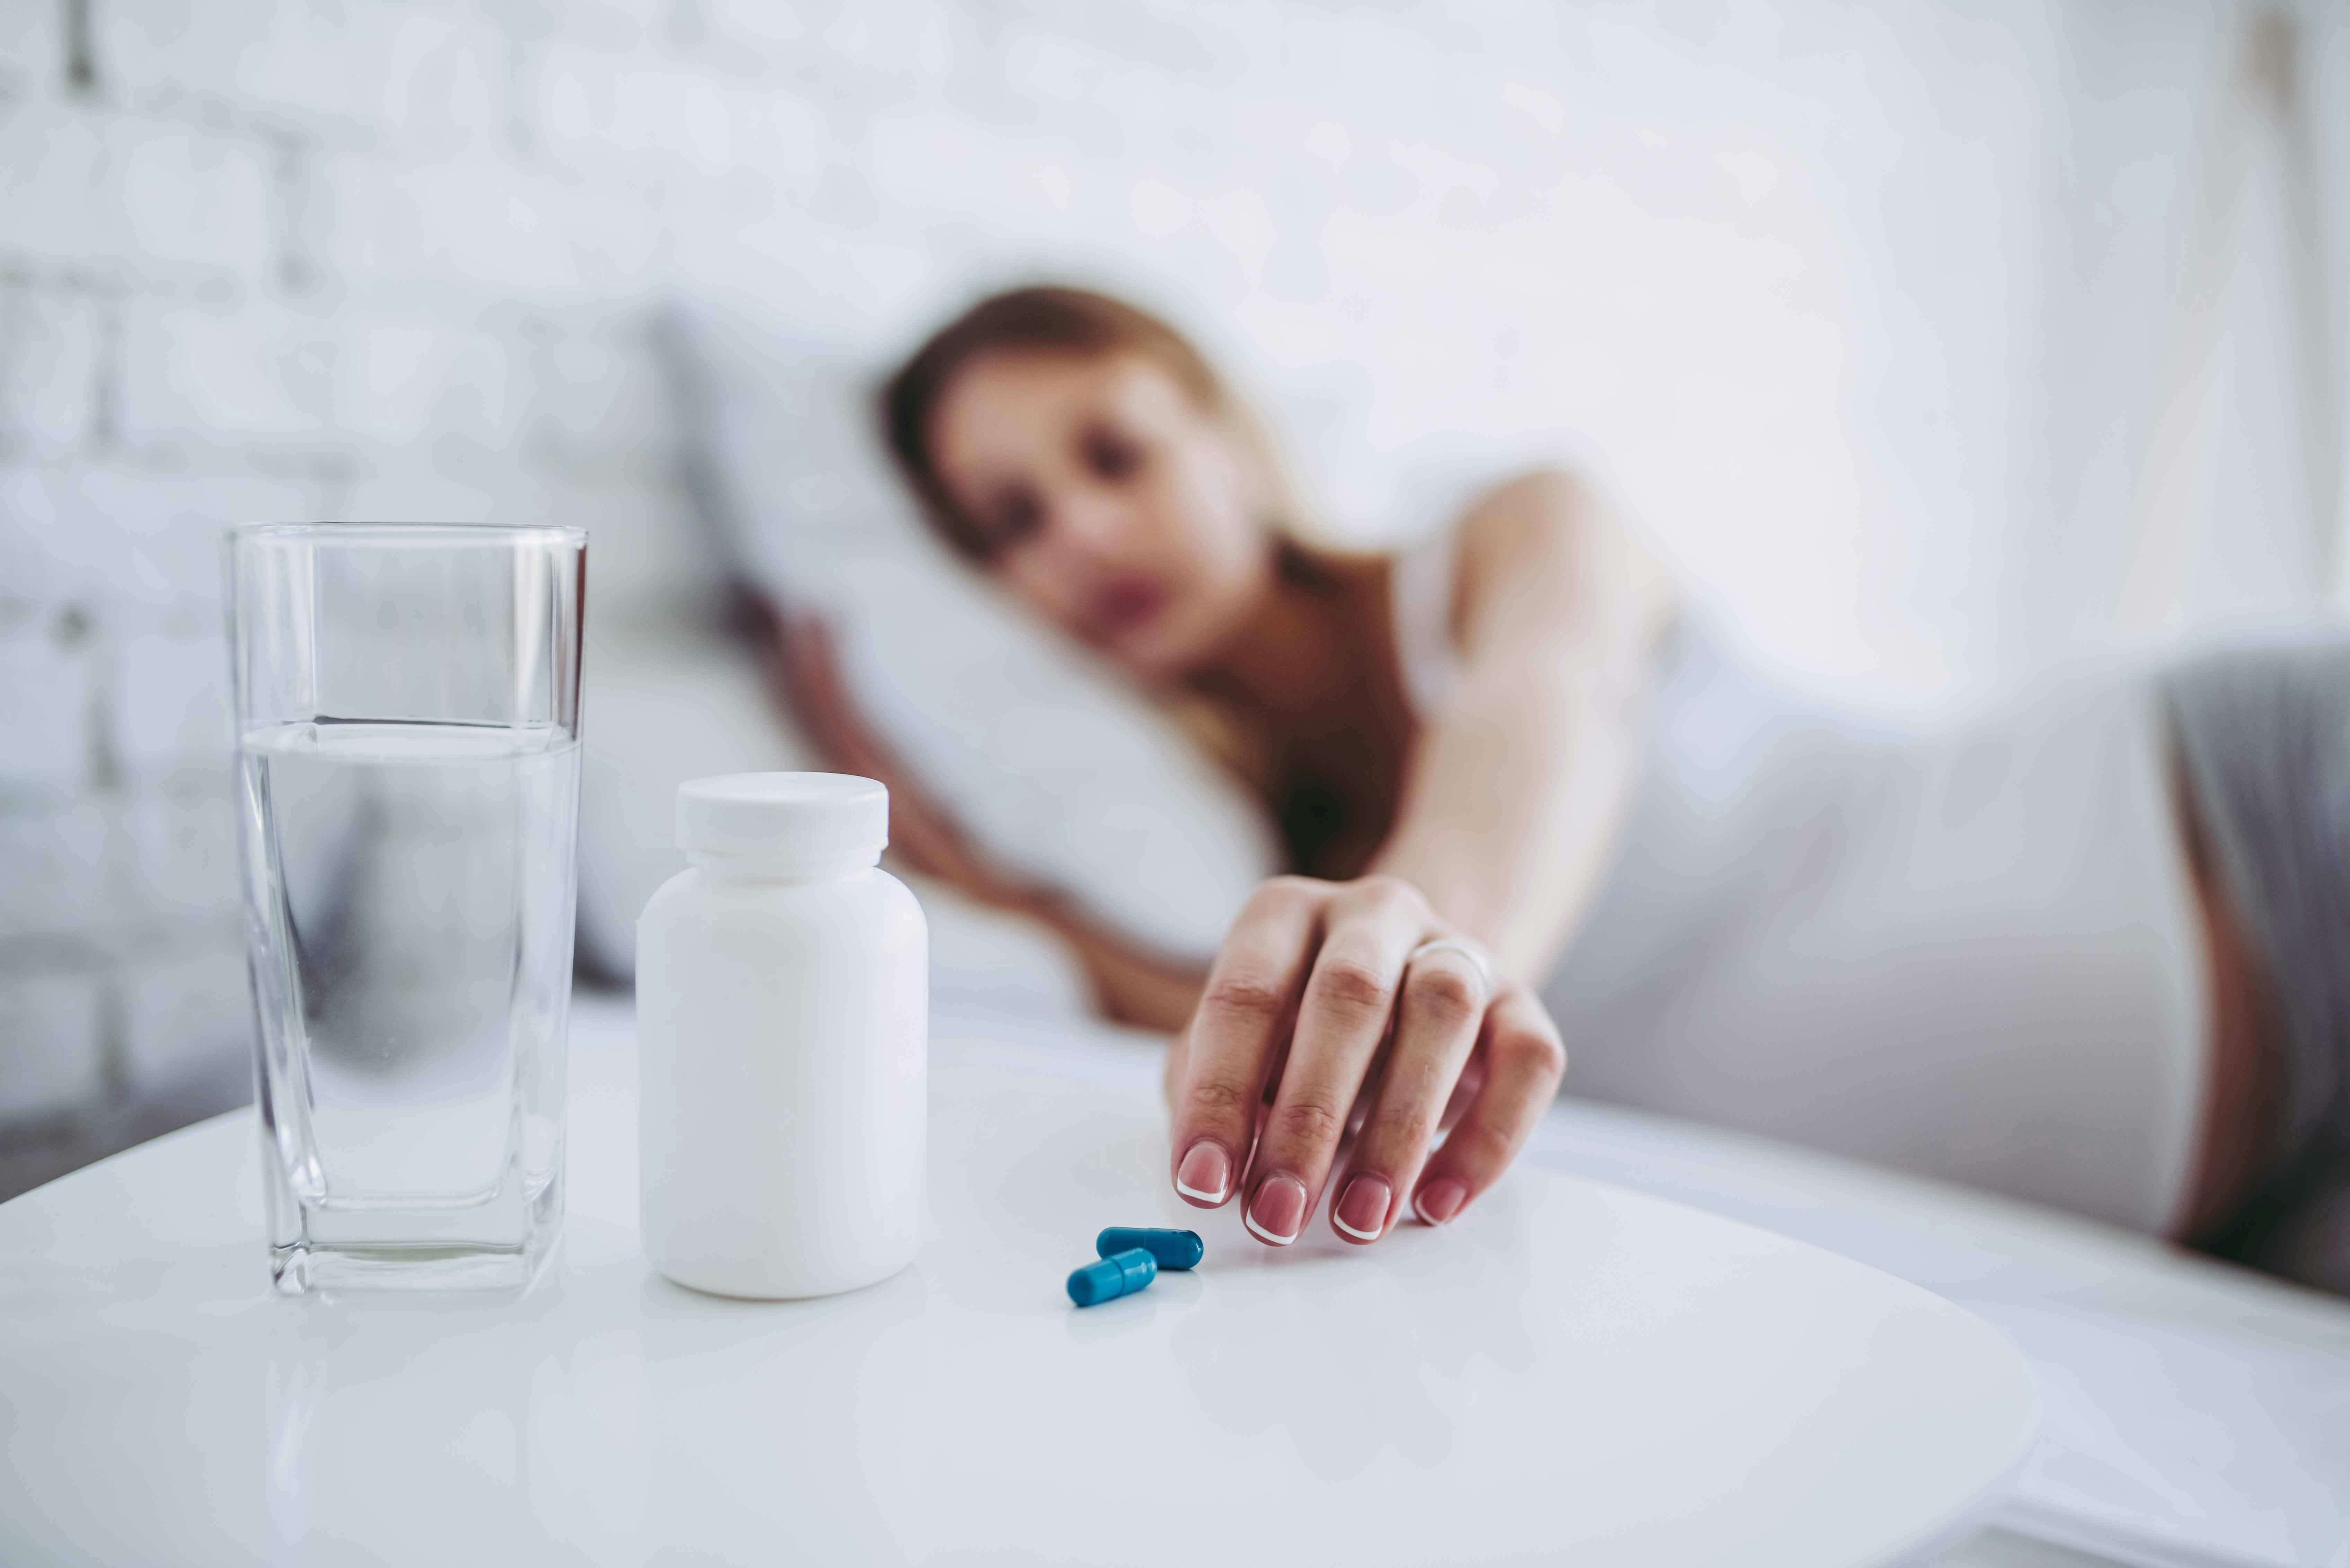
{"x": 1571, "y": 1374}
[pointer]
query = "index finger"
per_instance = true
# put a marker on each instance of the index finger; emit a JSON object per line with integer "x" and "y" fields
{"x": 1235, "y": 1034}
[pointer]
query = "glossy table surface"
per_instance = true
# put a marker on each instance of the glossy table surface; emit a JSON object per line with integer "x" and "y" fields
{"x": 1571, "y": 1373}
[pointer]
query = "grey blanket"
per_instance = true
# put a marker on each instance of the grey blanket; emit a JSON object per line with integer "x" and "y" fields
{"x": 2264, "y": 739}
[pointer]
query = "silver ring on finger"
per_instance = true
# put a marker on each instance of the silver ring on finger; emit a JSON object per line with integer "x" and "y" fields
{"x": 1465, "y": 948}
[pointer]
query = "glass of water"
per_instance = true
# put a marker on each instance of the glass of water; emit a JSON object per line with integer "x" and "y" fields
{"x": 408, "y": 720}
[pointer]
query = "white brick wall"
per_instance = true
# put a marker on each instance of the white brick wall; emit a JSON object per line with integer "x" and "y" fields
{"x": 318, "y": 382}
{"x": 432, "y": 77}
{"x": 48, "y": 685}
{"x": 49, "y": 1034}
{"x": 52, "y": 351}
{"x": 398, "y": 258}
{"x": 141, "y": 536}
{"x": 57, "y": 872}
{"x": 168, "y": 705}
{"x": 86, "y": 188}
{"x": 32, "y": 43}
{"x": 372, "y": 220}
{"x": 186, "y": 1012}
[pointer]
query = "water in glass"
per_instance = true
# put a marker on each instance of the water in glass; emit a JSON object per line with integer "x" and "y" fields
{"x": 409, "y": 887}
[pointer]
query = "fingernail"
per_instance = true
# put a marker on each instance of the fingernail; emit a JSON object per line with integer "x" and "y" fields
{"x": 1278, "y": 1212}
{"x": 1205, "y": 1175}
{"x": 1439, "y": 1202}
{"x": 1361, "y": 1210}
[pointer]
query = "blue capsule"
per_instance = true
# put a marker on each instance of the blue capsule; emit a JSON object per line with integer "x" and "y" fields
{"x": 1171, "y": 1248}
{"x": 1119, "y": 1274}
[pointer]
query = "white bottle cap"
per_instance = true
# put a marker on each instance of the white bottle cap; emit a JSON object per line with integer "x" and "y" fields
{"x": 787, "y": 819}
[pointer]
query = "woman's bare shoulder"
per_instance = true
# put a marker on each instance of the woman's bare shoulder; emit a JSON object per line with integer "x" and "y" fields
{"x": 1546, "y": 544}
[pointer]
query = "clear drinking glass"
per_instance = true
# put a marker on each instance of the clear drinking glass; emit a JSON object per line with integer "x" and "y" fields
{"x": 408, "y": 722}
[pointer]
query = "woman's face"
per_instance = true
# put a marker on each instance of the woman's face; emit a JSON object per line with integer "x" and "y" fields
{"x": 1107, "y": 498}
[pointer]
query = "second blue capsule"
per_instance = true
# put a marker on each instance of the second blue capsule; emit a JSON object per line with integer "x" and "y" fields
{"x": 1171, "y": 1248}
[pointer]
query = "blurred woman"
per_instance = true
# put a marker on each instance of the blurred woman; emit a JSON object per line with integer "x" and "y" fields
{"x": 2095, "y": 954}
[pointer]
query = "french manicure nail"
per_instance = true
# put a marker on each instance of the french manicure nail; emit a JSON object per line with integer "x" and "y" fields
{"x": 1206, "y": 1174}
{"x": 1361, "y": 1210}
{"x": 1439, "y": 1202}
{"x": 1278, "y": 1211}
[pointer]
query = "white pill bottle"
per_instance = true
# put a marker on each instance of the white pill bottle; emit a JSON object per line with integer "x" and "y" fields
{"x": 783, "y": 1024}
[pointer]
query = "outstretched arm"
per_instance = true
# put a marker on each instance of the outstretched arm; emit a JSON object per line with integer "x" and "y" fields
{"x": 1372, "y": 997}
{"x": 1518, "y": 787}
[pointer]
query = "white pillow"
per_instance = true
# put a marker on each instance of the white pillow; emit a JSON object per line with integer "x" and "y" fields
{"x": 664, "y": 707}
{"x": 660, "y": 708}
{"x": 1045, "y": 757}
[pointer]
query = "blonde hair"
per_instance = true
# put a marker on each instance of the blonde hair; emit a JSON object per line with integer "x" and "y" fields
{"x": 1058, "y": 319}
{"x": 1051, "y": 319}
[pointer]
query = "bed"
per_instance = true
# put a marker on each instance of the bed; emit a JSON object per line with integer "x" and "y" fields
{"x": 2197, "y": 1416}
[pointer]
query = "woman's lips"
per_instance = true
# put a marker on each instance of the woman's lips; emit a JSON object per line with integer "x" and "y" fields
{"x": 1123, "y": 607}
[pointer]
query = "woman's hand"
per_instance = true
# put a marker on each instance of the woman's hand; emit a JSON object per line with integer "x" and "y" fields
{"x": 1328, "y": 996}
